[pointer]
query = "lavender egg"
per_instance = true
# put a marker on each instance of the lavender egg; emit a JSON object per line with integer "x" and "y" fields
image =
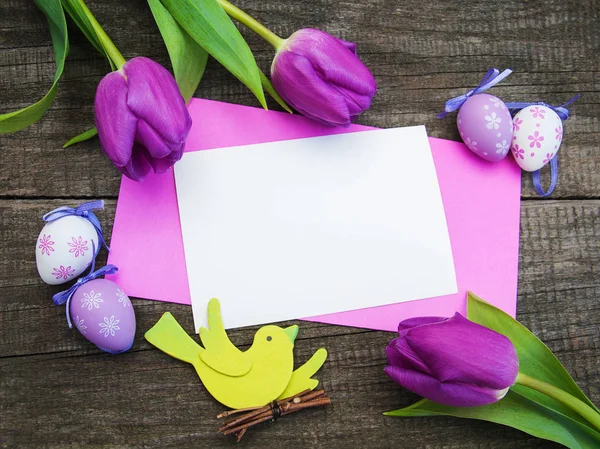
{"x": 103, "y": 314}
{"x": 485, "y": 126}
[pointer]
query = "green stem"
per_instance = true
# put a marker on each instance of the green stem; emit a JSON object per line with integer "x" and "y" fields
{"x": 562, "y": 396}
{"x": 252, "y": 23}
{"x": 111, "y": 50}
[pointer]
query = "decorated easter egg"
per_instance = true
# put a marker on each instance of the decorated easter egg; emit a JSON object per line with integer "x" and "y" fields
{"x": 538, "y": 133}
{"x": 485, "y": 126}
{"x": 103, "y": 314}
{"x": 64, "y": 249}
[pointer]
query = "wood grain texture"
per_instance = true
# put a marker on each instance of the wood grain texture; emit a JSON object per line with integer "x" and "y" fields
{"x": 58, "y": 390}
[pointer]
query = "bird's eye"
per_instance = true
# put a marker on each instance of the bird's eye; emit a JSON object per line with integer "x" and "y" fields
{"x": 269, "y": 338}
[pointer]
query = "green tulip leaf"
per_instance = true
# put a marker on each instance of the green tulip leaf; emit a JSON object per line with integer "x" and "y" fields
{"x": 208, "y": 24}
{"x": 273, "y": 93}
{"x": 83, "y": 24}
{"x": 519, "y": 412}
{"x": 86, "y": 22}
{"x": 187, "y": 57}
{"x": 17, "y": 120}
{"x": 86, "y": 135}
{"x": 535, "y": 359}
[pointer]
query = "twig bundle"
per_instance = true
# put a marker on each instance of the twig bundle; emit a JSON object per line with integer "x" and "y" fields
{"x": 249, "y": 417}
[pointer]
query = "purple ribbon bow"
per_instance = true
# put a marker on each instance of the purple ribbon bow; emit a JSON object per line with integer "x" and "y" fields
{"x": 492, "y": 77}
{"x": 84, "y": 211}
{"x": 561, "y": 110}
{"x": 65, "y": 296}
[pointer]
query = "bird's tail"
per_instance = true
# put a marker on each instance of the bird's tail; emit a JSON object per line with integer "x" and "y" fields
{"x": 168, "y": 336}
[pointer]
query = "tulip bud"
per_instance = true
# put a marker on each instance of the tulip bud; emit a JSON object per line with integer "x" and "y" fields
{"x": 452, "y": 361}
{"x": 142, "y": 118}
{"x": 322, "y": 77}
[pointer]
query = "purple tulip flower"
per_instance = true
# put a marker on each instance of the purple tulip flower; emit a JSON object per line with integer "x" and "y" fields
{"x": 452, "y": 361}
{"x": 322, "y": 77}
{"x": 141, "y": 118}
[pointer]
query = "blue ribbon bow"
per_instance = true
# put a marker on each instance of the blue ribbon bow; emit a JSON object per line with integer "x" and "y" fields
{"x": 561, "y": 110}
{"x": 492, "y": 77}
{"x": 84, "y": 211}
{"x": 65, "y": 296}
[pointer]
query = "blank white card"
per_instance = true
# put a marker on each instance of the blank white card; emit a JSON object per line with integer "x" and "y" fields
{"x": 306, "y": 227}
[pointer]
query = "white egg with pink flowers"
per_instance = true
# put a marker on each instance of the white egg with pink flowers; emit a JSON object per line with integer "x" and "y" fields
{"x": 65, "y": 249}
{"x": 537, "y": 136}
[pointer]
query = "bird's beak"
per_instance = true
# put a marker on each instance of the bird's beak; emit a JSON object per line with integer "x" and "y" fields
{"x": 291, "y": 332}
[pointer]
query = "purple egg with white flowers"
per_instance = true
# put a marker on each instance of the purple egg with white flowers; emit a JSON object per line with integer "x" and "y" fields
{"x": 485, "y": 126}
{"x": 103, "y": 314}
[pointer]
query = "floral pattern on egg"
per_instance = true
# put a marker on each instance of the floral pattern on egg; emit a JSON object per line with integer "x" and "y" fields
{"x": 46, "y": 245}
{"x": 78, "y": 246}
{"x": 538, "y": 133}
{"x": 486, "y": 127}
{"x": 102, "y": 312}
{"x": 63, "y": 249}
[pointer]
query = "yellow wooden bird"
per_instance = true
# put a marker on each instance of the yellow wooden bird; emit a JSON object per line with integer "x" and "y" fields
{"x": 239, "y": 379}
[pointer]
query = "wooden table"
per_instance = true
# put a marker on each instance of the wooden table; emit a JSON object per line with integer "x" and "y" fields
{"x": 58, "y": 390}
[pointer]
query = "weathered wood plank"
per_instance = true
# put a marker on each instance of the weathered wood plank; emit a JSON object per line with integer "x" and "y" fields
{"x": 421, "y": 53}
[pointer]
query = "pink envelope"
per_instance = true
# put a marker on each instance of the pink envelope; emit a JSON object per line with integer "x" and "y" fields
{"x": 481, "y": 201}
